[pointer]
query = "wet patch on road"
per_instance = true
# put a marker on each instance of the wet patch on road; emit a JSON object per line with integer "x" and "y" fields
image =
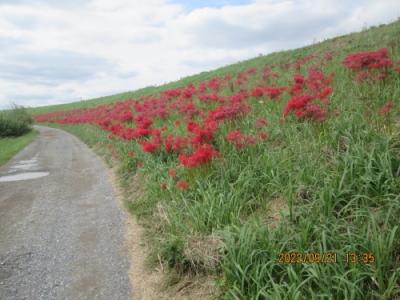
{"x": 24, "y": 170}
{"x": 23, "y": 176}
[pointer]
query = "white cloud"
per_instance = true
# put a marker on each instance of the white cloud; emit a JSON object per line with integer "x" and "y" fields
{"x": 119, "y": 45}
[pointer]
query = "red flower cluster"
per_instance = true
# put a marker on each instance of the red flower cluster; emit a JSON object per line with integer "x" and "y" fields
{"x": 310, "y": 95}
{"x": 202, "y": 134}
{"x": 174, "y": 143}
{"x": 303, "y": 108}
{"x": 240, "y": 140}
{"x": 202, "y": 108}
{"x": 268, "y": 74}
{"x": 182, "y": 185}
{"x": 369, "y": 65}
{"x": 202, "y": 155}
{"x": 261, "y": 122}
{"x": 386, "y": 108}
{"x": 368, "y": 60}
{"x": 197, "y": 113}
{"x": 271, "y": 91}
{"x": 172, "y": 173}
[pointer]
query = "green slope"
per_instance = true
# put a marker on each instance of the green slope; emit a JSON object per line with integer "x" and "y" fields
{"x": 328, "y": 190}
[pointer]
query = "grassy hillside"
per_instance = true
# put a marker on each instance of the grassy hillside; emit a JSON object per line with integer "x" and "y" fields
{"x": 279, "y": 176}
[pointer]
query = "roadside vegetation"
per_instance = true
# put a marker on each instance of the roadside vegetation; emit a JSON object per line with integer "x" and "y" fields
{"x": 278, "y": 177}
{"x": 15, "y": 132}
{"x": 15, "y": 122}
{"x": 12, "y": 145}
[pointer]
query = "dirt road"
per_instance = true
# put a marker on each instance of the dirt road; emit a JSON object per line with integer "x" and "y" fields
{"x": 61, "y": 230}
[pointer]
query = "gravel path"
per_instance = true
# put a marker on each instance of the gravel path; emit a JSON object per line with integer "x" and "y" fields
{"x": 61, "y": 232}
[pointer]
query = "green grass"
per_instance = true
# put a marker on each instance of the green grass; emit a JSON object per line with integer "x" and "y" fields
{"x": 337, "y": 183}
{"x": 11, "y": 146}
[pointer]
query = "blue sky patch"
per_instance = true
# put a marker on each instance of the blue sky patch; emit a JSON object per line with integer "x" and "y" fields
{"x": 193, "y": 4}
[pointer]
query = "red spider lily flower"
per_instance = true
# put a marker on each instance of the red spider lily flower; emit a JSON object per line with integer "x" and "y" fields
{"x": 126, "y": 116}
{"x": 257, "y": 92}
{"x": 192, "y": 126}
{"x": 238, "y": 98}
{"x": 179, "y": 143}
{"x": 303, "y": 108}
{"x": 325, "y": 92}
{"x": 261, "y": 122}
{"x": 215, "y": 84}
{"x": 362, "y": 75}
{"x": 177, "y": 123}
{"x": 189, "y": 91}
{"x": 172, "y": 93}
{"x": 104, "y": 124}
{"x": 316, "y": 80}
{"x": 172, "y": 173}
{"x": 174, "y": 143}
{"x": 214, "y": 97}
{"x": 296, "y": 89}
{"x": 168, "y": 143}
{"x": 328, "y": 56}
{"x": 187, "y": 109}
{"x": 202, "y": 87}
{"x": 369, "y": 59}
{"x": 151, "y": 146}
{"x": 143, "y": 122}
{"x": 274, "y": 92}
{"x": 239, "y": 139}
{"x": 365, "y": 64}
{"x": 228, "y": 77}
{"x": 233, "y": 135}
{"x": 204, "y": 134}
{"x": 299, "y": 62}
{"x": 385, "y": 109}
{"x": 263, "y": 136}
{"x": 297, "y": 103}
{"x": 133, "y": 133}
{"x": 227, "y": 112}
{"x": 202, "y": 155}
{"x": 298, "y": 78}
{"x": 251, "y": 71}
{"x": 310, "y": 95}
{"x": 299, "y": 82}
{"x": 182, "y": 185}
{"x": 314, "y": 112}
{"x": 250, "y": 140}
{"x": 270, "y": 91}
{"x": 268, "y": 73}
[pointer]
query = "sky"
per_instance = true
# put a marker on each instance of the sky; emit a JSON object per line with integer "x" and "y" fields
{"x": 67, "y": 50}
